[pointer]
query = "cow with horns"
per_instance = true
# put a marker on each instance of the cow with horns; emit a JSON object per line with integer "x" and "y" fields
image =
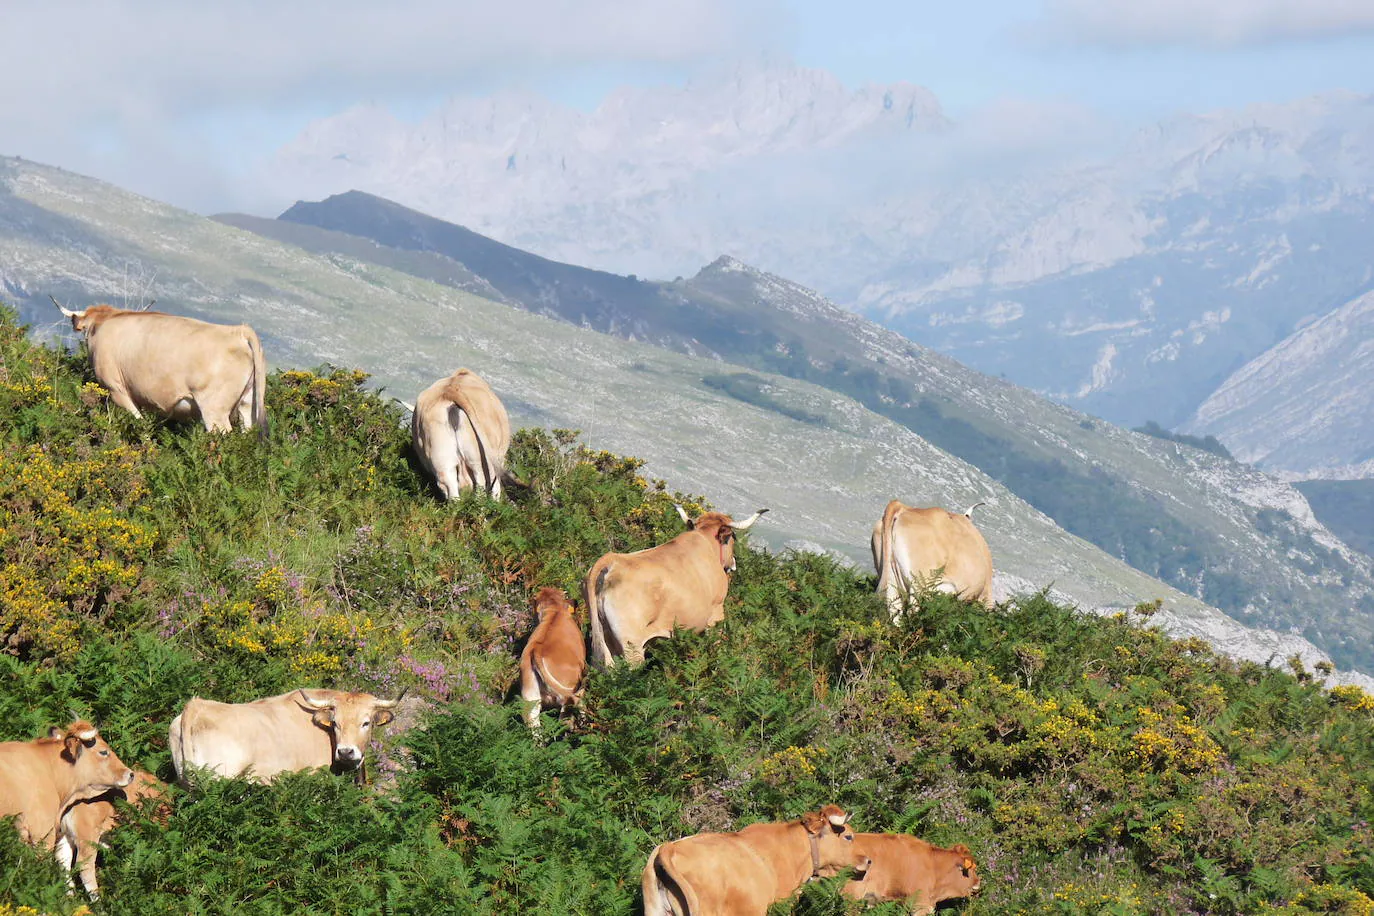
{"x": 298, "y": 730}
{"x": 175, "y": 366}
{"x": 632, "y": 598}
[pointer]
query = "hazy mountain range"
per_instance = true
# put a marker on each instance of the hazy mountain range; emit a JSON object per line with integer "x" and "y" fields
{"x": 1152, "y": 267}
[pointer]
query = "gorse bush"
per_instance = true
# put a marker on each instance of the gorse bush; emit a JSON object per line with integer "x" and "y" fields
{"x": 1093, "y": 765}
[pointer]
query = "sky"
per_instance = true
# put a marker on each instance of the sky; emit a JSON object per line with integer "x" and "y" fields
{"x": 184, "y": 101}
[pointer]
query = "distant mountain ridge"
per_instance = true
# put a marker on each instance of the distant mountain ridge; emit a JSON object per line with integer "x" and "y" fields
{"x": 1152, "y": 269}
{"x": 1149, "y": 502}
{"x": 77, "y": 238}
{"x": 1303, "y": 406}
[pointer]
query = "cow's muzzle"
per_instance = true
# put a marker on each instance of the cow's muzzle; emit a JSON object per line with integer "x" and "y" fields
{"x": 347, "y": 755}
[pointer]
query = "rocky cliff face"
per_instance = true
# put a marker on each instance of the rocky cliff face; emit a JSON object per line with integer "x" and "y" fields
{"x": 1303, "y": 406}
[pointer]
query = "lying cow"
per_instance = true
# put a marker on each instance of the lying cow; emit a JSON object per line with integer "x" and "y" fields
{"x": 635, "y": 597}
{"x": 299, "y": 730}
{"x": 461, "y": 434}
{"x": 555, "y": 658}
{"x": 912, "y": 545}
{"x": 744, "y": 873}
{"x": 85, "y": 823}
{"x": 905, "y": 868}
{"x": 40, "y": 779}
{"x": 178, "y": 367}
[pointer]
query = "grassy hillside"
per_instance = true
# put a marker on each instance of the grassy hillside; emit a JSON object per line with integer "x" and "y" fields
{"x": 1092, "y": 764}
{"x": 1210, "y": 528}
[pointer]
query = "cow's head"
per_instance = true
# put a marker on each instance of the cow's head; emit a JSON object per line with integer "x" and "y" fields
{"x": 958, "y": 877}
{"x": 832, "y": 843}
{"x": 552, "y": 601}
{"x": 85, "y": 321}
{"x": 720, "y": 528}
{"x": 349, "y": 718}
{"x": 95, "y": 768}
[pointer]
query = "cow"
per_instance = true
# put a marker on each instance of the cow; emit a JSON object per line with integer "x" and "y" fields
{"x": 84, "y": 824}
{"x": 175, "y": 366}
{"x": 746, "y": 872}
{"x": 299, "y": 730}
{"x": 461, "y": 434}
{"x": 912, "y": 870}
{"x": 912, "y": 545}
{"x": 555, "y": 658}
{"x": 632, "y": 598}
{"x": 40, "y": 779}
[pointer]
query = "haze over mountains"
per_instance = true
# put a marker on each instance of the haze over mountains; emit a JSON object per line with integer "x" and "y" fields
{"x": 1153, "y": 268}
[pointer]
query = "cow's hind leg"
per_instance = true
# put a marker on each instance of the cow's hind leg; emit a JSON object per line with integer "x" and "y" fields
{"x": 534, "y": 701}
{"x": 449, "y": 480}
{"x": 215, "y": 411}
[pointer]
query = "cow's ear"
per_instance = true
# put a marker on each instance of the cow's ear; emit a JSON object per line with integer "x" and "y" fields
{"x": 968, "y": 863}
{"x": 71, "y": 748}
{"x": 324, "y": 717}
{"x": 813, "y": 821}
{"x": 960, "y": 849}
{"x": 382, "y": 716}
{"x": 55, "y": 732}
{"x": 723, "y": 533}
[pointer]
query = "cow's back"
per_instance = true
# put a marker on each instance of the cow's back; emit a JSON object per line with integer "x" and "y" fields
{"x": 28, "y": 789}
{"x": 162, "y": 359}
{"x": 556, "y": 651}
{"x": 268, "y": 736}
{"x": 924, "y": 540}
{"x": 719, "y": 873}
{"x": 898, "y": 863}
{"x": 673, "y": 584}
{"x": 489, "y": 415}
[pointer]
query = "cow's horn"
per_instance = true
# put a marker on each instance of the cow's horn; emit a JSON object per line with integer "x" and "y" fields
{"x": 749, "y": 522}
{"x": 687, "y": 519}
{"x": 65, "y": 311}
{"x": 838, "y": 820}
{"x": 390, "y": 704}
{"x": 314, "y": 704}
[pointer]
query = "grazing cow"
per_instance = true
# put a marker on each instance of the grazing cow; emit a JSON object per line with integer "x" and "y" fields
{"x": 178, "y": 367}
{"x": 298, "y": 730}
{"x": 905, "y": 868}
{"x": 86, "y": 822}
{"x": 635, "y": 597}
{"x": 39, "y": 779}
{"x": 555, "y": 658}
{"x": 744, "y": 873}
{"x": 461, "y": 433}
{"x": 914, "y": 544}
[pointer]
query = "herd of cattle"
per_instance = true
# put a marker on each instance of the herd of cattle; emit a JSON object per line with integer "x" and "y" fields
{"x": 60, "y": 789}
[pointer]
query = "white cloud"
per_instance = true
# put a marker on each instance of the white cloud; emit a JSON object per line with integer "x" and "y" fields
{"x": 1216, "y": 23}
{"x": 128, "y": 88}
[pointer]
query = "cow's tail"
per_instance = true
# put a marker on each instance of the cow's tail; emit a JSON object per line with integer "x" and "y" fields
{"x": 175, "y": 741}
{"x": 460, "y": 399}
{"x": 259, "y": 411}
{"x": 594, "y": 597}
{"x": 665, "y": 894}
{"x": 886, "y": 573}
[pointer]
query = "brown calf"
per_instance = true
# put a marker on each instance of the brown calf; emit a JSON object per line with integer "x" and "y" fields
{"x": 555, "y": 658}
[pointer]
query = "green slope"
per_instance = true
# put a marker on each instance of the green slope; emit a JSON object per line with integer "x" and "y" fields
{"x": 1092, "y": 765}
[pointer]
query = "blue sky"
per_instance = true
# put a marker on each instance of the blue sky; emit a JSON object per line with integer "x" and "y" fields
{"x": 180, "y": 100}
